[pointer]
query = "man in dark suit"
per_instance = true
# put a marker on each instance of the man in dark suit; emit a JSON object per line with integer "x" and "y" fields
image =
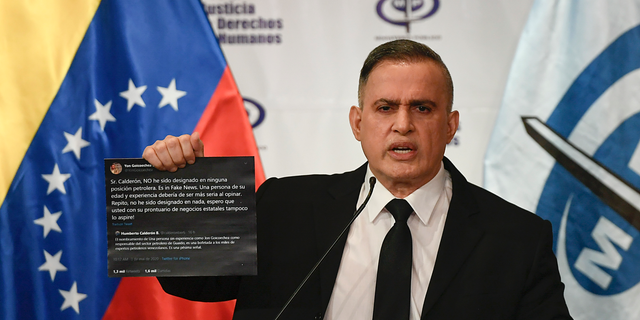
{"x": 471, "y": 254}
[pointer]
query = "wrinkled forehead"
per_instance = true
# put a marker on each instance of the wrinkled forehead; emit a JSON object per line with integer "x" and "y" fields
{"x": 406, "y": 77}
{"x": 395, "y": 60}
{"x": 410, "y": 61}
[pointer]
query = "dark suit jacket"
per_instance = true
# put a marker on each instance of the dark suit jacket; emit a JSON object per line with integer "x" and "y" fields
{"x": 495, "y": 259}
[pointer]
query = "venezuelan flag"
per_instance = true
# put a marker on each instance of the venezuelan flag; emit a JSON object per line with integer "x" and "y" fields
{"x": 81, "y": 81}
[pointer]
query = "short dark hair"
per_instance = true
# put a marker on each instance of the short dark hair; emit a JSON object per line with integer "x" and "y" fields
{"x": 402, "y": 51}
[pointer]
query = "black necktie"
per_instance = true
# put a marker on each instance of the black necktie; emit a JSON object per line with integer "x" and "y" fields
{"x": 393, "y": 283}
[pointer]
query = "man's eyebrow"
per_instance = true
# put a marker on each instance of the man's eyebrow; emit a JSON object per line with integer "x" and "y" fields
{"x": 413, "y": 103}
{"x": 390, "y": 102}
{"x": 428, "y": 102}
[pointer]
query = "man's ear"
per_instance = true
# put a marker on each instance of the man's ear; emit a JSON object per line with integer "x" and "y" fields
{"x": 452, "y": 124}
{"x": 355, "y": 117}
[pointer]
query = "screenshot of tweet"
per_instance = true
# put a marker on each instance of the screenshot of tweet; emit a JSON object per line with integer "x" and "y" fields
{"x": 198, "y": 221}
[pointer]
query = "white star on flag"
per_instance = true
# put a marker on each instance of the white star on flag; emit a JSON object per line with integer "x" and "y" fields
{"x": 75, "y": 143}
{"x": 72, "y": 298}
{"x": 56, "y": 180}
{"x": 102, "y": 113}
{"x": 133, "y": 95}
{"x": 49, "y": 221}
{"x": 170, "y": 95}
{"x": 53, "y": 264}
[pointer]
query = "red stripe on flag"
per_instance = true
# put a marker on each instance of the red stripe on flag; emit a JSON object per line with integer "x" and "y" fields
{"x": 224, "y": 126}
{"x": 143, "y": 298}
{"x": 225, "y": 130}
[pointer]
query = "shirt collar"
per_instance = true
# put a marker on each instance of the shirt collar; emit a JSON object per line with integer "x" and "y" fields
{"x": 423, "y": 200}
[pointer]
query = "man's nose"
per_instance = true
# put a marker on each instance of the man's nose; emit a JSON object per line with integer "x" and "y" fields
{"x": 403, "y": 123}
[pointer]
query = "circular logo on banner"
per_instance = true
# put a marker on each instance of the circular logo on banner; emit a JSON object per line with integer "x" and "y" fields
{"x": 594, "y": 220}
{"x": 255, "y": 111}
{"x": 403, "y": 12}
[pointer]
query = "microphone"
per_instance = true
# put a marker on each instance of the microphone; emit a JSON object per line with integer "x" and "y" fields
{"x": 372, "y": 182}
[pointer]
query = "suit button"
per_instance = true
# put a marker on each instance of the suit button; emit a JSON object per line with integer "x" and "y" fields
{"x": 318, "y": 316}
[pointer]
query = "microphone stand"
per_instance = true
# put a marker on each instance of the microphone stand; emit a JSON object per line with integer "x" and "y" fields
{"x": 372, "y": 182}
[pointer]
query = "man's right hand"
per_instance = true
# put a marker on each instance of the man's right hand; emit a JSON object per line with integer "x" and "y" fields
{"x": 174, "y": 152}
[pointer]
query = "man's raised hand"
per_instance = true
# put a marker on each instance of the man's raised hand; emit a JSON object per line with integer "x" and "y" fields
{"x": 174, "y": 152}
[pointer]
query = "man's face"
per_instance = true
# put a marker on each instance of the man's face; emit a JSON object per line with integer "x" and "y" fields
{"x": 404, "y": 125}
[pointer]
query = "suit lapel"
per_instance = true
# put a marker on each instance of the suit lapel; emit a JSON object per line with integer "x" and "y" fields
{"x": 332, "y": 212}
{"x": 334, "y": 209}
{"x": 459, "y": 238}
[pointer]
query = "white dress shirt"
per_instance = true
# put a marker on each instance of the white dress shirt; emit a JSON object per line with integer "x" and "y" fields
{"x": 354, "y": 290}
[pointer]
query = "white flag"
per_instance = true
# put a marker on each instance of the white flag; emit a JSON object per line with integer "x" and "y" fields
{"x": 566, "y": 146}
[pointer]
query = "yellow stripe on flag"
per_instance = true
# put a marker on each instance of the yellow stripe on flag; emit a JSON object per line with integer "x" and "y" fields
{"x": 38, "y": 40}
